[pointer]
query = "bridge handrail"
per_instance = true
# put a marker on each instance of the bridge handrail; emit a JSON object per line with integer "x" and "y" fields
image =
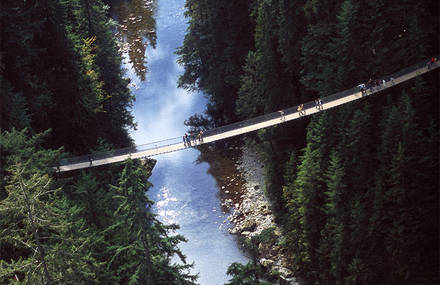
{"x": 118, "y": 152}
{"x": 307, "y": 105}
{"x": 233, "y": 126}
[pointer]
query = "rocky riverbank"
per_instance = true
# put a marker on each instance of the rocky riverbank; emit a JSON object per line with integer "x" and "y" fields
{"x": 252, "y": 217}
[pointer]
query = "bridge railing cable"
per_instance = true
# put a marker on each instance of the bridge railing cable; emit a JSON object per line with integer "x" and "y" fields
{"x": 240, "y": 124}
{"x": 311, "y": 104}
{"x": 119, "y": 152}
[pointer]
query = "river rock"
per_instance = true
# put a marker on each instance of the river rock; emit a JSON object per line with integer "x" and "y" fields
{"x": 264, "y": 209}
{"x": 233, "y": 231}
{"x": 266, "y": 262}
{"x": 288, "y": 281}
{"x": 255, "y": 215}
{"x": 249, "y": 225}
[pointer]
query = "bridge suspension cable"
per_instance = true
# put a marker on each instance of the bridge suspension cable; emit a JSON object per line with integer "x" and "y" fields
{"x": 249, "y": 125}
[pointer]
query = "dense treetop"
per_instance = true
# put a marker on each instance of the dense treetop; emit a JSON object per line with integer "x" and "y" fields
{"x": 62, "y": 90}
{"x": 355, "y": 188}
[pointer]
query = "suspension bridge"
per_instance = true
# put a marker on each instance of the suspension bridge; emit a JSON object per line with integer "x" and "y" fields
{"x": 246, "y": 126}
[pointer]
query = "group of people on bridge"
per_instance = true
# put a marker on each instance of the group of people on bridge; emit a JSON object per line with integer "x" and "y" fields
{"x": 379, "y": 84}
{"x": 373, "y": 83}
{"x": 318, "y": 104}
{"x": 192, "y": 138}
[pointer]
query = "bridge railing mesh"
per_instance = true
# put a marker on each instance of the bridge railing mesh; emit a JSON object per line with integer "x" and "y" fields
{"x": 245, "y": 123}
{"x": 311, "y": 104}
{"x": 120, "y": 152}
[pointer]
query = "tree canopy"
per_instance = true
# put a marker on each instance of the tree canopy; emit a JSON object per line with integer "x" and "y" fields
{"x": 355, "y": 188}
{"x": 63, "y": 93}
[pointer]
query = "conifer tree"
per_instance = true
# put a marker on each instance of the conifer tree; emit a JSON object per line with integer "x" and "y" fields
{"x": 24, "y": 203}
{"x": 142, "y": 251}
{"x": 398, "y": 202}
{"x": 34, "y": 222}
{"x": 213, "y": 52}
{"x": 244, "y": 274}
{"x": 333, "y": 238}
{"x": 318, "y": 54}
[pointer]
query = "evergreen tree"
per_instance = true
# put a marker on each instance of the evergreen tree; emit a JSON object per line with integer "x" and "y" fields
{"x": 318, "y": 54}
{"x": 244, "y": 274}
{"x": 333, "y": 237}
{"x": 305, "y": 201}
{"x": 59, "y": 69}
{"x": 213, "y": 52}
{"x": 142, "y": 251}
{"x": 37, "y": 238}
{"x": 398, "y": 203}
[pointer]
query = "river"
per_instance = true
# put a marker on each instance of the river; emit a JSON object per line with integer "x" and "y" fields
{"x": 184, "y": 190}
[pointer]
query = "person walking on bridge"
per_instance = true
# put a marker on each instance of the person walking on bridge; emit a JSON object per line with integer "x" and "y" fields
{"x": 370, "y": 84}
{"x": 282, "y": 116}
{"x": 200, "y": 136}
{"x": 392, "y": 80}
{"x": 362, "y": 88}
{"x": 184, "y": 140}
{"x": 188, "y": 141}
{"x": 431, "y": 61}
{"x": 301, "y": 110}
{"x": 193, "y": 137}
{"x": 318, "y": 104}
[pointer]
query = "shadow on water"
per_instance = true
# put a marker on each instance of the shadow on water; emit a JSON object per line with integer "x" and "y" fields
{"x": 222, "y": 159}
{"x": 195, "y": 191}
{"x": 136, "y": 31}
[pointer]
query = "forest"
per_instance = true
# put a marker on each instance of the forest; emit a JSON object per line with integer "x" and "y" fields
{"x": 63, "y": 94}
{"x": 355, "y": 188}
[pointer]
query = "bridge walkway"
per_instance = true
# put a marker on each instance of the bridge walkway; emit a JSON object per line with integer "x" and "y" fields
{"x": 246, "y": 126}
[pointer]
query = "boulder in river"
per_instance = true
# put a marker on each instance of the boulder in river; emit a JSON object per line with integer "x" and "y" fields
{"x": 249, "y": 225}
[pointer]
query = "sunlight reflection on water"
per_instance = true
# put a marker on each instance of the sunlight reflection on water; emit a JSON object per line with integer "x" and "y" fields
{"x": 184, "y": 192}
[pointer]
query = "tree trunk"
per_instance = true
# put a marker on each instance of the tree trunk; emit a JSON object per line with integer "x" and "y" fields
{"x": 148, "y": 262}
{"x": 36, "y": 235}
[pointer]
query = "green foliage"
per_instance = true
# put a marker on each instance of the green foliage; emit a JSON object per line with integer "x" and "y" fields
{"x": 40, "y": 242}
{"x": 88, "y": 232}
{"x": 142, "y": 249}
{"x": 266, "y": 84}
{"x": 244, "y": 274}
{"x": 60, "y": 64}
{"x": 213, "y": 52}
{"x": 331, "y": 247}
{"x": 356, "y": 190}
{"x": 62, "y": 86}
{"x": 267, "y": 235}
{"x": 251, "y": 100}
{"x": 18, "y": 113}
